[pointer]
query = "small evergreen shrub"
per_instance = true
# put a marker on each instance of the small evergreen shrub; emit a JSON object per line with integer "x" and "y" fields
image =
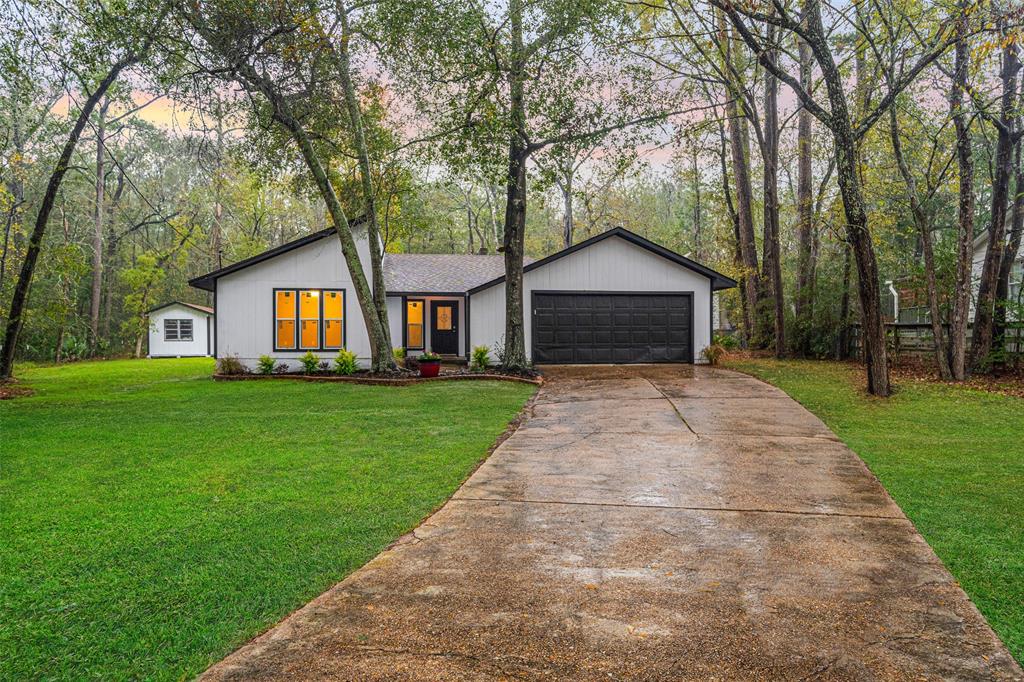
{"x": 726, "y": 341}
{"x": 231, "y": 365}
{"x": 266, "y": 364}
{"x": 309, "y": 362}
{"x": 398, "y": 353}
{"x": 481, "y": 359}
{"x": 345, "y": 362}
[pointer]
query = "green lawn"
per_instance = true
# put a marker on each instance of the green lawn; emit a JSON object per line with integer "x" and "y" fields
{"x": 952, "y": 458}
{"x": 153, "y": 519}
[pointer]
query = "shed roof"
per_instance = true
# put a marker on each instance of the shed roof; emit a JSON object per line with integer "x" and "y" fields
{"x": 195, "y": 306}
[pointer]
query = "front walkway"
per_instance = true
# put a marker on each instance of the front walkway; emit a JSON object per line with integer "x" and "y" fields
{"x": 649, "y": 522}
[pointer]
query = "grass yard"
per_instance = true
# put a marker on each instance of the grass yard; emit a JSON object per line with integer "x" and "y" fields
{"x": 153, "y": 519}
{"x": 952, "y": 458}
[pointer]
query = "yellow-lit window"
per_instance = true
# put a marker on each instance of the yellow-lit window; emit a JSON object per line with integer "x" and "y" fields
{"x": 334, "y": 319}
{"x": 284, "y": 318}
{"x": 414, "y": 324}
{"x": 309, "y": 318}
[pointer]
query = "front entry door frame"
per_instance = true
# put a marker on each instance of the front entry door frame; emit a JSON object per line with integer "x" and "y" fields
{"x": 444, "y": 341}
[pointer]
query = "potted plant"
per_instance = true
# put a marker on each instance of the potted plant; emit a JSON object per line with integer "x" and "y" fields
{"x": 430, "y": 364}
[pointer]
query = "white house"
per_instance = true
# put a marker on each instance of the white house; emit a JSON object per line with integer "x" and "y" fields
{"x": 178, "y": 330}
{"x": 978, "y": 262}
{"x": 614, "y": 298}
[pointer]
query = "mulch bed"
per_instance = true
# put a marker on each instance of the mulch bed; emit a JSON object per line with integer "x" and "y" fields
{"x": 372, "y": 380}
{"x": 916, "y": 370}
{"x": 10, "y": 390}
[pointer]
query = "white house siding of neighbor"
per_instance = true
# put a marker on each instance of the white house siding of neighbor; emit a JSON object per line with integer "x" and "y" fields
{"x": 978, "y": 263}
{"x": 614, "y": 298}
{"x": 179, "y": 330}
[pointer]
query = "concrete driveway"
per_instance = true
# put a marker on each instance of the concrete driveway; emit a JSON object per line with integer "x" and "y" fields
{"x": 648, "y": 523}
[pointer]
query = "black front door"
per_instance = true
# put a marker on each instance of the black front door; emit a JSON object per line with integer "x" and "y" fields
{"x": 444, "y": 333}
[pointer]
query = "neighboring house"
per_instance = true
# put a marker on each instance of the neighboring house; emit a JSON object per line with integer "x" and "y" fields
{"x": 614, "y": 298}
{"x": 978, "y": 262}
{"x": 178, "y": 330}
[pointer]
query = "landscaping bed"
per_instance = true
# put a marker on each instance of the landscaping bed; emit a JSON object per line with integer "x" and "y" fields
{"x": 371, "y": 379}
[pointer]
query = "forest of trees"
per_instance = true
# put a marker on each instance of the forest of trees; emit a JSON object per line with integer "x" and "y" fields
{"x": 812, "y": 151}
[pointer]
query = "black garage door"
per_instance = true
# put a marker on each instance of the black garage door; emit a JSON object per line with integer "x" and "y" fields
{"x": 570, "y": 327}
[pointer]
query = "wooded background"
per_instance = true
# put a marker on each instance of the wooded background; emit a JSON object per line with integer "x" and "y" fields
{"x": 811, "y": 150}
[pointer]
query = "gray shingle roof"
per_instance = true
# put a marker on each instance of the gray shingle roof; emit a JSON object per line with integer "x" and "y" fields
{"x": 437, "y": 273}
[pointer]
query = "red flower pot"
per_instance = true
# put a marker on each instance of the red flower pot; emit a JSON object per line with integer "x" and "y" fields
{"x": 430, "y": 369}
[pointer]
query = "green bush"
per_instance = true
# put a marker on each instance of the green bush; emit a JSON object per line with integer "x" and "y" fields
{"x": 713, "y": 353}
{"x": 726, "y": 341}
{"x": 266, "y": 364}
{"x": 398, "y": 353}
{"x": 481, "y": 358}
{"x": 345, "y": 362}
{"x": 231, "y": 365}
{"x": 309, "y": 362}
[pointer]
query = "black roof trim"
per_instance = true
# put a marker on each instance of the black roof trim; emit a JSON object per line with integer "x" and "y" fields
{"x": 718, "y": 280}
{"x": 206, "y": 310}
{"x": 206, "y": 281}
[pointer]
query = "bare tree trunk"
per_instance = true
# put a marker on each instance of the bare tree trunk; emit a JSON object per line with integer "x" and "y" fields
{"x": 698, "y": 217}
{"x": 772, "y": 248}
{"x": 984, "y": 309}
{"x": 925, "y": 235}
{"x": 805, "y": 209}
{"x": 97, "y": 233}
{"x": 28, "y": 266}
{"x": 744, "y": 195}
{"x": 217, "y": 237}
{"x": 383, "y": 360}
{"x": 515, "y": 206}
{"x": 565, "y": 183}
{"x": 1013, "y": 242}
{"x": 111, "y": 253}
{"x": 843, "y": 342}
{"x": 965, "y": 235}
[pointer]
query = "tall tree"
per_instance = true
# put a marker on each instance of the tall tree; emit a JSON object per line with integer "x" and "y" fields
{"x": 805, "y": 207}
{"x": 846, "y": 133}
{"x": 965, "y": 205}
{"x": 1006, "y": 138}
{"x": 523, "y": 77}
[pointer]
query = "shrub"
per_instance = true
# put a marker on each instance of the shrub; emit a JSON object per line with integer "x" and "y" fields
{"x": 323, "y": 366}
{"x": 281, "y": 368}
{"x": 713, "y": 353}
{"x": 429, "y": 356}
{"x": 726, "y": 341}
{"x": 309, "y": 362}
{"x": 345, "y": 362}
{"x": 266, "y": 364}
{"x": 481, "y": 358}
{"x": 398, "y": 353}
{"x": 231, "y": 365}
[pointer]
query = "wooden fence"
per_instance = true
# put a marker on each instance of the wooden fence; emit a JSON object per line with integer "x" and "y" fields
{"x": 915, "y": 338}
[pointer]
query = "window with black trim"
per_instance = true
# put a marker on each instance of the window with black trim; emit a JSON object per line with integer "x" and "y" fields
{"x": 177, "y": 330}
{"x": 309, "y": 319}
{"x": 414, "y": 323}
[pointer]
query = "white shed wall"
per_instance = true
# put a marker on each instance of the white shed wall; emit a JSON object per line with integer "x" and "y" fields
{"x": 159, "y": 348}
{"x": 245, "y": 301}
{"x": 613, "y": 264}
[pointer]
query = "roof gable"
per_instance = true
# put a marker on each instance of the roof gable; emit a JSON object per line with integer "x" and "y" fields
{"x": 718, "y": 280}
{"x": 194, "y": 306}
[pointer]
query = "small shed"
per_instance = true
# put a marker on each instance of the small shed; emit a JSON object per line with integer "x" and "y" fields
{"x": 180, "y": 330}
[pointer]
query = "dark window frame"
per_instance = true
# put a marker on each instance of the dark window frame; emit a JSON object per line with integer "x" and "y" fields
{"x": 406, "y": 300}
{"x": 178, "y": 338}
{"x": 321, "y": 332}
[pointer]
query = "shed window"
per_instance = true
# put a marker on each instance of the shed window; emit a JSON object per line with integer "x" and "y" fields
{"x": 177, "y": 330}
{"x": 309, "y": 319}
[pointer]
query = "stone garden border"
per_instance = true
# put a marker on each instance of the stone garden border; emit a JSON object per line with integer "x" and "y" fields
{"x": 379, "y": 381}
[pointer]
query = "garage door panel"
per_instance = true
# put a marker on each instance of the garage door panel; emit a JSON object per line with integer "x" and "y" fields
{"x": 612, "y": 328}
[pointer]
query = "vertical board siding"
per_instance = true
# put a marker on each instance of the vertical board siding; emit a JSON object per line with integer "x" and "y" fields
{"x": 197, "y": 347}
{"x": 610, "y": 265}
